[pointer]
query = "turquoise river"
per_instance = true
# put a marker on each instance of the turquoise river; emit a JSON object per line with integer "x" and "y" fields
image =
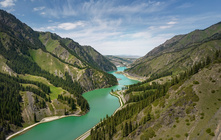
{"x": 69, "y": 128}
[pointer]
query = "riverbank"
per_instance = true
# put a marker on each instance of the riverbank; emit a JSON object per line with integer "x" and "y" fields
{"x": 122, "y": 102}
{"x": 138, "y": 78}
{"x": 44, "y": 120}
{"x": 141, "y": 79}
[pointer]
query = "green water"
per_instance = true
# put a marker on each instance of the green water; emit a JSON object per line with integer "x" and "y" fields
{"x": 69, "y": 128}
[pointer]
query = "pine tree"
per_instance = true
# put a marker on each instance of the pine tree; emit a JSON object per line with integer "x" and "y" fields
{"x": 125, "y": 130}
{"x": 208, "y": 60}
{"x": 35, "y": 119}
{"x": 130, "y": 127}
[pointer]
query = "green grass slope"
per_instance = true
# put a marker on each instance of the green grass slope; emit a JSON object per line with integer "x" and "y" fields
{"x": 88, "y": 78}
{"x": 53, "y": 45}
{"x": 190, "y": 109}
{"x": 179, "y": 53}
{"x": 73, "y": 53}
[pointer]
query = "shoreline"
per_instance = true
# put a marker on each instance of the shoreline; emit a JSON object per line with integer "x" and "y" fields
{"x": 44, "y": 120}
{"x": 141, "y": 79}
{"x": 87, "y": 133}
{"x": 120, "y": 100}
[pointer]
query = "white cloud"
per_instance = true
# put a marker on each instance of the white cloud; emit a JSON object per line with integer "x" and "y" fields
{"x": 185, "y": 5}
{"x": 107, "y": 8}
{"x": 70, "y": 26}
{"x": 7, "y": 3}
{"x": 165, "y": 27}
{"x": 168, "y": 25}
{"x": 39, "y": 8}
{"x": 63, "y": 26}
{"x": 42, "y": 13}
{"x": 63, "y": 9}
{"x": 172, "y": 22}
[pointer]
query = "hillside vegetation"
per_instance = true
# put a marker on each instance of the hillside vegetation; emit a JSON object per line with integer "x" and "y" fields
{"x": 179, "y": 53}
{"x": 182, "y": 103}
{"x": 43, "y": 75}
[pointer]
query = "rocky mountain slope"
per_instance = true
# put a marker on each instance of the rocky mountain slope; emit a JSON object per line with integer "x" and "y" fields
{"x": 178, "y": 53}
{"x": 44, "y": 75}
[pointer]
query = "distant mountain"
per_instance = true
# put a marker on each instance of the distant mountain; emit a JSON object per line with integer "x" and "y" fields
{"x": 121, "y": 61}
{"x": 128, "y": 56}
{"x": 178, "y": 53}
{"x": 181, "y": 96}
{"x": 42, "y": 74}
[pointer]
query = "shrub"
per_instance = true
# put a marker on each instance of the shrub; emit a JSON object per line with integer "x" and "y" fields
{"x": 195, "y": 82}
{"x": 212, "y": 134}
{"x": 202, "y": 114}
{"x": 208, "y": 130}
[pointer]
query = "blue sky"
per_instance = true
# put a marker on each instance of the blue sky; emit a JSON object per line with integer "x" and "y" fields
{"x": 131, "y": 27}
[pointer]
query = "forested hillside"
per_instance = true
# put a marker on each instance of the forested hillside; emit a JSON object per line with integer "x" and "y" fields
{"x": 187, "y": 106}
{"x": 42, "y": 76}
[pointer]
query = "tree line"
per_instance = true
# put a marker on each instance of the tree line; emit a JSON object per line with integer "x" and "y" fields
{"x": 10, "y": 110}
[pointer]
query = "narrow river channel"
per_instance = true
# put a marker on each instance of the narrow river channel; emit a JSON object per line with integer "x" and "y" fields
{"x": 69, "y": 128}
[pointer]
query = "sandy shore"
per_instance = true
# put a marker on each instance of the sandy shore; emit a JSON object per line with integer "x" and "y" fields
{"x": 141, "y": 79}
{"x": 138, "y": 78}
{"x": 44, "y": 120}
